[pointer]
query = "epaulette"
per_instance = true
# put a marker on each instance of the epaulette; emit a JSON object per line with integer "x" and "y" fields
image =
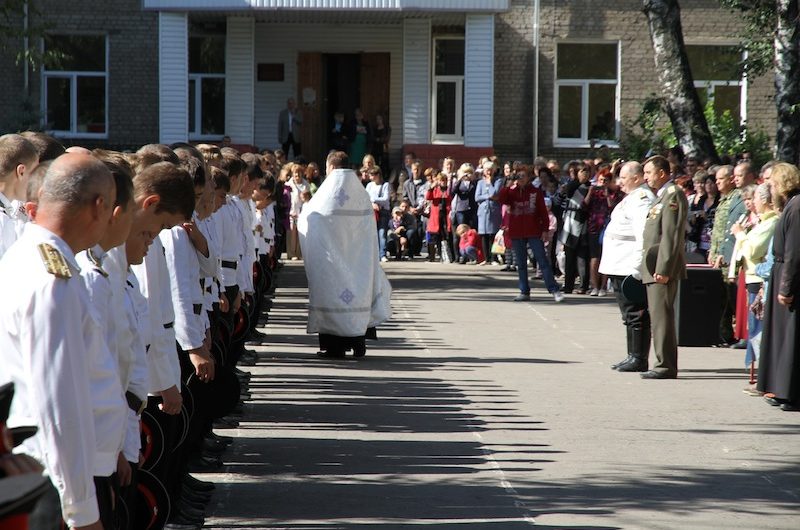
{"x": 54, "y": 261}
{"x": 671, "y": 189}
{"x": 98, "y": 266}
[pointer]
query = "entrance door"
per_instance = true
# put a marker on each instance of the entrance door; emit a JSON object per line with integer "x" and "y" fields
{"x": 375, "y": 86}
{"x": 330, "y": 83}
{"x": 309, "y": 99}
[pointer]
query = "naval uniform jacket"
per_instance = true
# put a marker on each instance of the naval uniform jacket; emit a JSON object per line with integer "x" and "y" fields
{"x": 622, "y": 243}
{"x": 664, "y": 235}
{"x": 48, "y": 339}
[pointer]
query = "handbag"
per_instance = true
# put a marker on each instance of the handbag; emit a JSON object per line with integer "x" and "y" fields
{"x": 499, "y": 244}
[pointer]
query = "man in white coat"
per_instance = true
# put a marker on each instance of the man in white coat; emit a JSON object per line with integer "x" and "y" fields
{"x": 348, "y": 291}
{"x": 622, "y": 257}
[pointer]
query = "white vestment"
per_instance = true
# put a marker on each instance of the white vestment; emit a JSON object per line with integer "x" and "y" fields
{"x": 347, "y": 288}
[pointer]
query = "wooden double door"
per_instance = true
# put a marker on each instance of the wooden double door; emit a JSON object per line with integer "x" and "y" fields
{"x": 330, "y": 83}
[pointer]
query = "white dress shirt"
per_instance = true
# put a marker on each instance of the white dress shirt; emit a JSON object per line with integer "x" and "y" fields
{"x": 232, "y": 249}
{"x": 108, "y": 401}
{"x": 184, "y": 284}
{"x": 162, "y": 358}
{"x": 48, "y": 339}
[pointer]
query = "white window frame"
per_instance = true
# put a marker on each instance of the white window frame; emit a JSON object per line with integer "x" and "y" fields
{"x": 73, "y": 76}
{"x": 459, "y": 80}
{"x": 584, "y": 140}
{"x": 709, "y": 85}
{"x": 198, "y": 106}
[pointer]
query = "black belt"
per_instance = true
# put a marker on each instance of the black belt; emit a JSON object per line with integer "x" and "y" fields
{"x": 229, "y": 264}
{"x": 134, "y": 403}
{"x": 169, "y": 325}
{"x": 197, "y": 308}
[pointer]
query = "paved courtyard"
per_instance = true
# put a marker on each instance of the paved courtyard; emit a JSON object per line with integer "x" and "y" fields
{"x": 475, "y": 412}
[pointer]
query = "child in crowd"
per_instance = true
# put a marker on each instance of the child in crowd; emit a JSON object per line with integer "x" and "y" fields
{"x": 397, "y": 236}
{"x": 469, "y": 244}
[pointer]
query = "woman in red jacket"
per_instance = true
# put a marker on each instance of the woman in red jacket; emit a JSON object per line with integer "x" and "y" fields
{"x": 527, "y": 221}
{"x": 439, "y": 220}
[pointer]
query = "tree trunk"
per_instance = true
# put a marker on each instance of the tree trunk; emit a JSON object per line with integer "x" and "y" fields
{"x": 675, "y": 77}
{"x": 787, "y": 80}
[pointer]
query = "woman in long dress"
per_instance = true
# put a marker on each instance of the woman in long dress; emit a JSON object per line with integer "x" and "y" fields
{"x": 779, "y": 364}
{"x": 360, "y": 136}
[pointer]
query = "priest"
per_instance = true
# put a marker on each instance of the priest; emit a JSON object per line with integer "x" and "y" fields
{"x": 349, "y": 294}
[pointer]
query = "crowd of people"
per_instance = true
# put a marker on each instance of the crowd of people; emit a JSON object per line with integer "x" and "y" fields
{"x": 154, "y": 265}
{"x": 133, "y": 282}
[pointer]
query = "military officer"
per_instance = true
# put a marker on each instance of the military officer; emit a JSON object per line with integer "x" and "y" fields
{"x": 622, "y": 258}
{"x": 663, "y": 264}
{"x": 45, "y": 320}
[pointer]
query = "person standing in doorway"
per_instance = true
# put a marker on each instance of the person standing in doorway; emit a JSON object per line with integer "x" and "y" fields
{"x": 290, "y": 122}
{"x": 360, "y": 134}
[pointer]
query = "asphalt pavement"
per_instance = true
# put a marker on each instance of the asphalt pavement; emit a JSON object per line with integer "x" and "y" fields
{"x": 473, "y": 411}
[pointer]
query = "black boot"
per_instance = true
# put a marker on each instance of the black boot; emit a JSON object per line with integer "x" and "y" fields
{"x": 431, "y": 252}
{"x": 630, "y": 357}
{"x": 640, "y": 341}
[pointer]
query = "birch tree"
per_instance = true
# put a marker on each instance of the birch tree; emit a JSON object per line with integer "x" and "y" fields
{"x": 675, "y": 78}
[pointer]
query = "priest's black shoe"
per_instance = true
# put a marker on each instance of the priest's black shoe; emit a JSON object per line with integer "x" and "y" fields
{"x": 652, "y": 374}
{"x": 331, "y": 354}
{"x": 625, "y": 360}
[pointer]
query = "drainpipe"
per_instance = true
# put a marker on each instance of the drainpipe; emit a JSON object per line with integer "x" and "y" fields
{"x": 536, "y": 31}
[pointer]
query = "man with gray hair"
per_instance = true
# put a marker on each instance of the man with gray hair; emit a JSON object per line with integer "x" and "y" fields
{"x": 622, "y": 259}
{"x": 49, "y": 337}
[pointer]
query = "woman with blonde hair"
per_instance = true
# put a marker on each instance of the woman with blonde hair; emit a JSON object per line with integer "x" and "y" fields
{"x": 779, "y": 365}
{"x": 463, "y": 207}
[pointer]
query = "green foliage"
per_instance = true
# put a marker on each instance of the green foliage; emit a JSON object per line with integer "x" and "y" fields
{"x": 13, "y": 31}
{"x": 652, "y": 132}
{"x": 760, "y": 19}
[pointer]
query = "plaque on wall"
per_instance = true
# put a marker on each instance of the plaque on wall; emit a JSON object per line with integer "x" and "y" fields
{"x": 270, "y": 72}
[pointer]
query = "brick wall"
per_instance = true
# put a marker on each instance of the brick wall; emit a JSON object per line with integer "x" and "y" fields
{"x": 133, "y": 67}
{"x": 704, "y": 22}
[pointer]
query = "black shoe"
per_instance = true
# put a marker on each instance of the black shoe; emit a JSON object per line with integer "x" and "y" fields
{"x": 191, "y": 506}
{"x": 627, "y": 359}
{"x": 790, "y": 407}
{"x": 634, "y": 365}
{"x": 360, "y": 350}
{"x": 225, "y": 423}
{"x": 331, "y": 354}
{"x": 182, "y": 520}
{"x": 182, "y": 526}
{"x": 652, "y": 374}
{"x": 204, "y": 464}
{"x": 741, "y": 345}
{"x": 197, "y": 484}
{"x": 194, "y": 496}
{"x": 227, "y": 440}
{"x": 775, "y": 402}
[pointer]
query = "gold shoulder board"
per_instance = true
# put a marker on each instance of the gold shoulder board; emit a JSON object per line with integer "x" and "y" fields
{"x": 54, "y": 261}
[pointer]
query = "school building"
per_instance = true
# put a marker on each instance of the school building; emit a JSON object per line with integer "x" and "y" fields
{"x": 452, "y": 77}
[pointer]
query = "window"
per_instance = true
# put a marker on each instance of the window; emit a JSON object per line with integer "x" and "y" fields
{"x": 586, "y": 95}
{"x": 75, "y": 86}
{"x": 207, "y": 87}
{"x": 448, "y": 90}
{"x": 717, "y": 77}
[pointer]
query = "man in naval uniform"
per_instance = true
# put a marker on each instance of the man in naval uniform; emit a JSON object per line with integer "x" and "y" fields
{"x": 622, "y": 258}
{"x": 49, "y": 335}
{"x": 663, "y": 264}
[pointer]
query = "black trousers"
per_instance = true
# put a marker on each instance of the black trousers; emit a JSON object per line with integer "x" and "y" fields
{"x": 46, "y": 513}
{"x": 576, "y": 258}
{"x": 295, "y": 145}
{"x": 634, "y": 314}
{"x": 728, "y": 311}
